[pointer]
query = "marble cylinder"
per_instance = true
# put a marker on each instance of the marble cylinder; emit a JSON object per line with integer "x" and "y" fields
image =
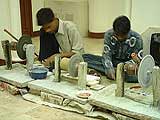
{"x": 82, "y": 75}
{"x": 7, "y": 53}
{"x": 57, "y": 68}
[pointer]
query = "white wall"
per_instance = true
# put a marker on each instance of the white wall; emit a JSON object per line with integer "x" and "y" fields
{"x": 10, "y": 20}
{"x": 15, "y": 18}
{"x": 71, "y": 10}
{"x": 103, "y": 12}
{"x": 145, "y": 14}
{"x": 5, "y": 19}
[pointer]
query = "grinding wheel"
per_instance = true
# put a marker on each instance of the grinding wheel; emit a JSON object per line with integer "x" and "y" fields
{"x": 73, "y": 64}
{"x": 21, "y": 42}
{"x": 145, "y": 70}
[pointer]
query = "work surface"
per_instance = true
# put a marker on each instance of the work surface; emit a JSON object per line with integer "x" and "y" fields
{"x": 104, "y": 98}
{"x": 17, "y": 76}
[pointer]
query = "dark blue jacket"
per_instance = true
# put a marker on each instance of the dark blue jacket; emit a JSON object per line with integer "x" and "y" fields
{"x": 120, "y": 51}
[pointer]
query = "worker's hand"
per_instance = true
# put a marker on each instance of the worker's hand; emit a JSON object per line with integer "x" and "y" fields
{"x": 135, "y": 58}
{"x": 111, "y": 74}
{"x": 49, "y": 61}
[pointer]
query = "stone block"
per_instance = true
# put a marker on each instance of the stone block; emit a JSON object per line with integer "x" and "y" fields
{"x": 55, "y": 99}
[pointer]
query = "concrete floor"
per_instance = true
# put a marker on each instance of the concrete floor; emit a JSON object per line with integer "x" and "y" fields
{"x": 15, "y": 108}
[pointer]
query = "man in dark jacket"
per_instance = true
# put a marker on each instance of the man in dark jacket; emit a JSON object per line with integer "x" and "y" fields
{"x": 119, "y": 43}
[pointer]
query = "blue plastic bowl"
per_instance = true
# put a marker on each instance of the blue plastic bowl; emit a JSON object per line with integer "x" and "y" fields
{"x": 38, "y": 73}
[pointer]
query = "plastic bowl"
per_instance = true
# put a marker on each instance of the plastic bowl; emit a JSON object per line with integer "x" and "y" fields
{"x": 38, "y": 73}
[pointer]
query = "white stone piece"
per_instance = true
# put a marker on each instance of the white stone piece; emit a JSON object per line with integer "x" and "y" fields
{"x": 82, "y": 75}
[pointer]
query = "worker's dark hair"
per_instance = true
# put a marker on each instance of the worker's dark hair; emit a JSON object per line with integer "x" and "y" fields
{"x": 44, "y": 15}
{"x": 121, "y": 25}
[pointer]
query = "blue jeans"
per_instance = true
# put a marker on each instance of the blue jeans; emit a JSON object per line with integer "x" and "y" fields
{"x": 94, "y": 62}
